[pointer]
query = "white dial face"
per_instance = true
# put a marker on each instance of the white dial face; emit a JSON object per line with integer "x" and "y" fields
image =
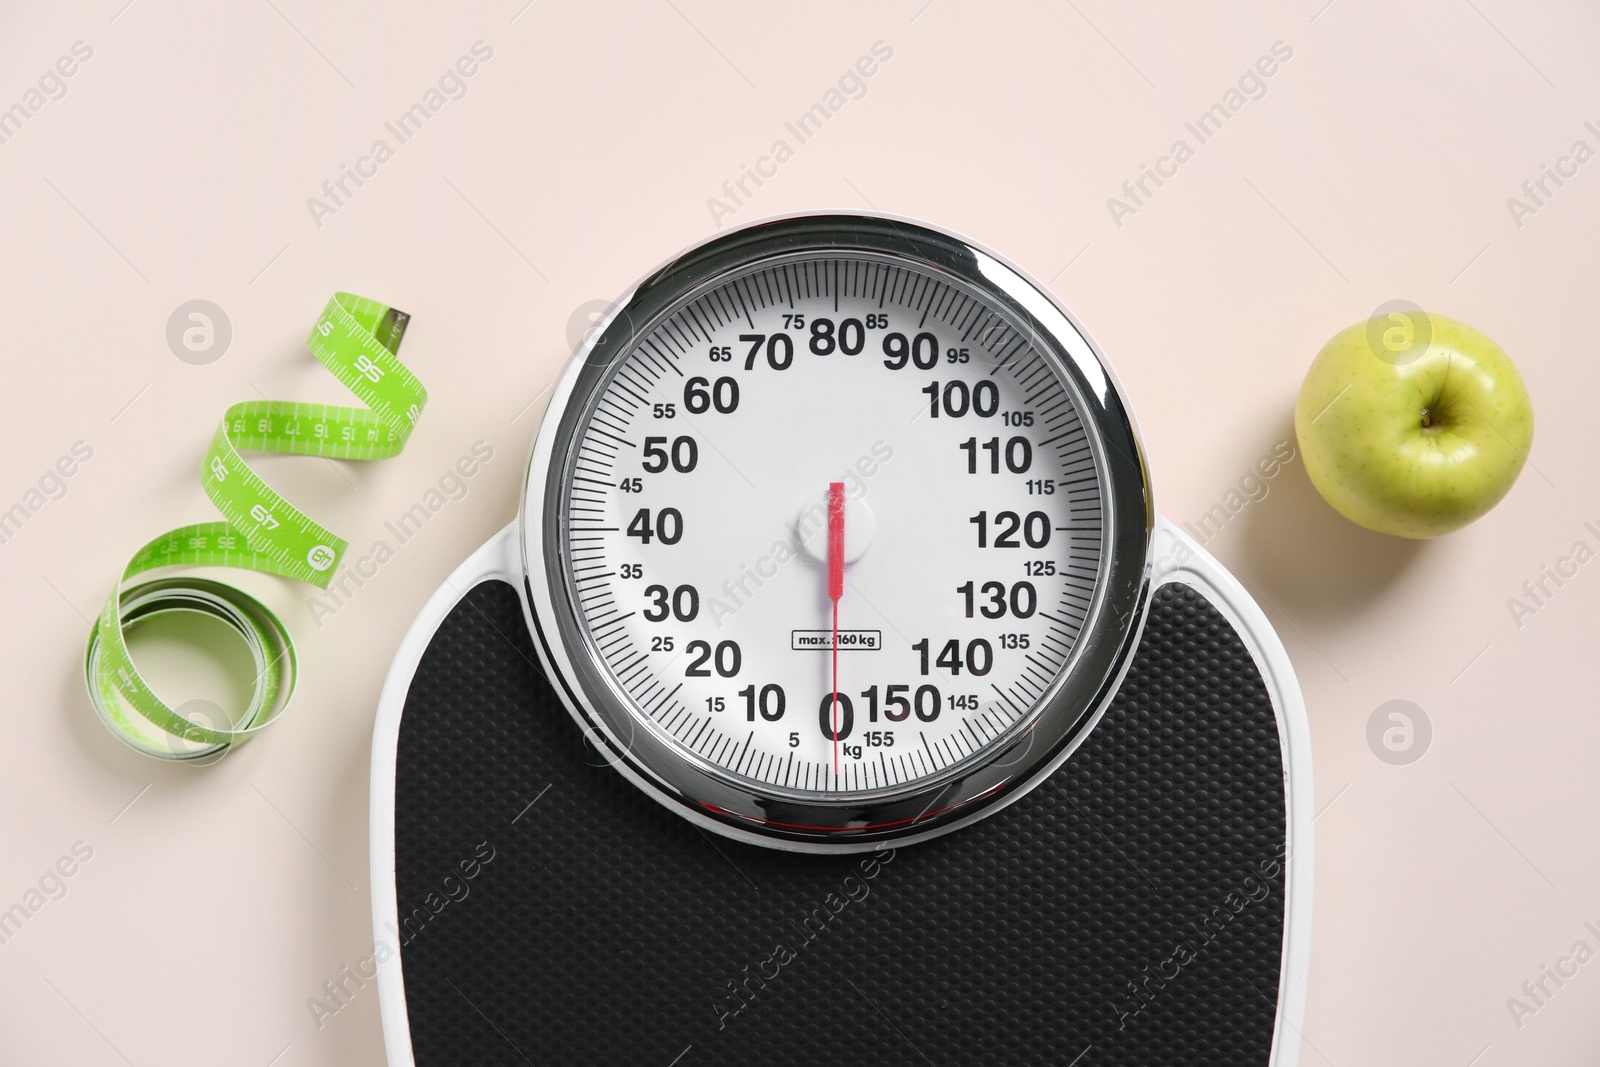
{"x": 697, "y": 527}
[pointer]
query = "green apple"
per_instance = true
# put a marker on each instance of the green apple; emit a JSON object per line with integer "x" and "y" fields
{"x": 1413, "y": 424}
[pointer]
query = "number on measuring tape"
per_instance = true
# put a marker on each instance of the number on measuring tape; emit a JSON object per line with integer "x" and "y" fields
{"x": 371, "y": 371}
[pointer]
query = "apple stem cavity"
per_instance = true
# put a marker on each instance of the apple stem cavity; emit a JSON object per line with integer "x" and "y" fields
{"x": 1429, "y": 413}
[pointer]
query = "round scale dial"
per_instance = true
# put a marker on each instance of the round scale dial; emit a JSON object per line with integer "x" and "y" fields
{"x": 699, "y": 523}
{"x": 836, "y": 530}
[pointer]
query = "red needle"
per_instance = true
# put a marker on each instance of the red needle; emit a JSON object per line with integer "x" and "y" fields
{"x": 835, "y": 591}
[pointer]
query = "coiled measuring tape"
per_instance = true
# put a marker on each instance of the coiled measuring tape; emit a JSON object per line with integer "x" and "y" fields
{"x": 356, "y": 339}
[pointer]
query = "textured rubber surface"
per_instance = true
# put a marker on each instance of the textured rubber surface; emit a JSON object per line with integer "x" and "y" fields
{"x": 1129, "y": 911}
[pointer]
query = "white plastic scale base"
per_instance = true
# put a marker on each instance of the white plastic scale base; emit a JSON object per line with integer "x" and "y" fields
{"x": 1176, "y": 558}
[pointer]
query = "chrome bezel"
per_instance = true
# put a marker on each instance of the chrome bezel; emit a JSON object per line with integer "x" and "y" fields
{"x": 816, "y": 822}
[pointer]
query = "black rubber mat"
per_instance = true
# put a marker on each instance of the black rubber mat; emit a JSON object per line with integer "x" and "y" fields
{"x": 1126, "y": 912}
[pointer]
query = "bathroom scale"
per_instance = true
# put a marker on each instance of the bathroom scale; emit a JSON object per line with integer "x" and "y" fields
{"x": 838, "y": 696}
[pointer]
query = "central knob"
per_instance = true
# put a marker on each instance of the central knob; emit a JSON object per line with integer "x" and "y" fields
{"x": 811, "y": 529}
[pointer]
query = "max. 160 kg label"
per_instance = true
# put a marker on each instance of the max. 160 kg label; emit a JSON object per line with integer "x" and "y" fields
{"x": 849, "y": 640}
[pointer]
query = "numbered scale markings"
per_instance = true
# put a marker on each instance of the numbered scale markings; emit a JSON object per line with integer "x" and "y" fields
{"x": 984, "y": 497}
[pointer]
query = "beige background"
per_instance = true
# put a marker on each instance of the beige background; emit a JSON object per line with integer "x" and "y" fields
{"x": 1376, "y": 166}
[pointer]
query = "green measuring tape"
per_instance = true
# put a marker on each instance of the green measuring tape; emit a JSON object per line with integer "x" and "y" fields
{"x": 356, "y": 339}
